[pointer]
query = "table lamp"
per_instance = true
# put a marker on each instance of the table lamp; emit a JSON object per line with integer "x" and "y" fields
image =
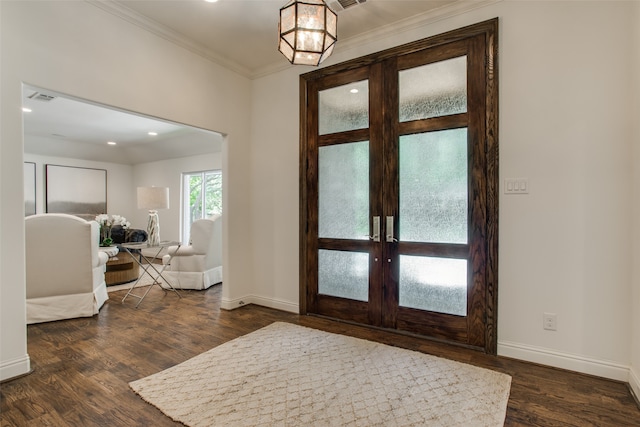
{"x": 153, "y": 198}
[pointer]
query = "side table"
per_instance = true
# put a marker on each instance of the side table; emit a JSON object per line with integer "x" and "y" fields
{"x": 149, "y": 268}
{"x": 121, "y": 268}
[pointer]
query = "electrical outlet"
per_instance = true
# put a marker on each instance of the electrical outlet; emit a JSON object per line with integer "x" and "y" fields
{"x": 550, "y": 321}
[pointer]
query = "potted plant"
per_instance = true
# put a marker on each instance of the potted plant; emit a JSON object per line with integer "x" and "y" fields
{"x": 106, "y": 223}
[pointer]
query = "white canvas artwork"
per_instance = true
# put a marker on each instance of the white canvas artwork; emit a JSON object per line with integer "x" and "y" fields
{"x": 75, "y": 190}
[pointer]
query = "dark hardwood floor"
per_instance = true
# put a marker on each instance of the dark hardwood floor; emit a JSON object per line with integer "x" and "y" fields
{"x": 82, "y": 367}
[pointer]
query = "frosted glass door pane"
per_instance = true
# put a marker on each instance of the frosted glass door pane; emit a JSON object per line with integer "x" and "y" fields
{"x": 343, "y": 186}
{"x": 433, "y": 187}
{"x": 344, "y": 108}
{"x": 433, "y": 284}
{"x": 434, "y": 90}
{"x": 343, "y": 274}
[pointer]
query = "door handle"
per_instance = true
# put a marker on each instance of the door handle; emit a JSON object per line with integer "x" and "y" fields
{"x": 389, "y": 229}
{"x": 376, "y": 229}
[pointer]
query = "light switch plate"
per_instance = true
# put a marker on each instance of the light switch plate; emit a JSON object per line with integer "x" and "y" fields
{"x": 516, "y": 186}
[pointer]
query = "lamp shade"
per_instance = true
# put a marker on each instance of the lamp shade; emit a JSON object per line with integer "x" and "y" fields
{"x": 153, "y": 198}
{"x": 308, "y": 31}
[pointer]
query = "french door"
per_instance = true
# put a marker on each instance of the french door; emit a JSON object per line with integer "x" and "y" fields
{"x": 399, "y": 189}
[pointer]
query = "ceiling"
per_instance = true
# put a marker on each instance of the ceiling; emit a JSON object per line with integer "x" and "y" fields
{"x": 61, "y": 126}
{"x": 238, "y": 34}
{"x": 242, "y": 34}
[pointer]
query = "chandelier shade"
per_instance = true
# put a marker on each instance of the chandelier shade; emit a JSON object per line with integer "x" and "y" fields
{"x": 308, "y": 31}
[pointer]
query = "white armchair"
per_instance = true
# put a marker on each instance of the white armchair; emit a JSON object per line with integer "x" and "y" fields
{"x": 199, "y": 264}
{"x": 64, "y": 268}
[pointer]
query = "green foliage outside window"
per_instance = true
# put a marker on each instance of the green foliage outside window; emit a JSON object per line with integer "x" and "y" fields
{"x": 205, "y": 194}
{"x": 201, "y": 198}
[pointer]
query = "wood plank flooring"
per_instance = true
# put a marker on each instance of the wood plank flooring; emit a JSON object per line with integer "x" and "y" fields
{"x": 82, "y": 367}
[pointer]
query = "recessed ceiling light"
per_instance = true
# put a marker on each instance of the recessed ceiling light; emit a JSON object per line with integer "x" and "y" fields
{"x": 111, "y": 143}
{"x": 354, "y": 90}
{"x": 211, "y": 1}
{"x": 153, "y": 133}
{"x": 26, "y": 110}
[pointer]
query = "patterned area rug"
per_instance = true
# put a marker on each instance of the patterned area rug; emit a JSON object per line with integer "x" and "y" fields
{"x": 289, "y": 375}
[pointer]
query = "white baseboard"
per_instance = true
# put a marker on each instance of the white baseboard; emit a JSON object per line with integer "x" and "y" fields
{"x": 572, "y": 362}
{"x": 231, "y": 304}
{"x": 15, "y": 367}
{"x": 634, "y": 382}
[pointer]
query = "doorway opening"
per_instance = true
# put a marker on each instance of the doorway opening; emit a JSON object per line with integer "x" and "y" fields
{"x": 64, "y": 130}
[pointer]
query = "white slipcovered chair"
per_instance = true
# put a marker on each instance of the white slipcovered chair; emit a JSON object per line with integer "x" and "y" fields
{"x": 64, "y": 268}
{"x": 199, "y": 264}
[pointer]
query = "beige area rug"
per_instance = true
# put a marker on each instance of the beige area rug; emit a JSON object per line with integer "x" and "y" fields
{"x": 289, "y": 375}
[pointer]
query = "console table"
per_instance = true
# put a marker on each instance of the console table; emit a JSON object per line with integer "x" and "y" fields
{"x": 149, "y": 268}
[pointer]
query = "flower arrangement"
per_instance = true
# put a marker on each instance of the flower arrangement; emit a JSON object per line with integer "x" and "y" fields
{"x": 106, "y": 223}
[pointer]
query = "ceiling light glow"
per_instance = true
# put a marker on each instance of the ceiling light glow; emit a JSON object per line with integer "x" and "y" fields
{"x": 211, "y": 1}
{"x": 153, "y": 133}
{"x": 111, "y": 143}
{"x": 26, "y": 110}
{"x": 354, "y": 90}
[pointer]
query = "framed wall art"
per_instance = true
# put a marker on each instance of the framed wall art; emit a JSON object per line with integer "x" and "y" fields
{"x": 29, "y": 188}
{"x": 76, "y": 190}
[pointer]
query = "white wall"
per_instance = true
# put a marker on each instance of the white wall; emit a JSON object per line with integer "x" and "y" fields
{"x": 635, "y": 254}
{"x": 78, "y": 49}
{"x": 565, "y": 124}
{"x": 565, "y": 73}
{"x": 275, "y": 180}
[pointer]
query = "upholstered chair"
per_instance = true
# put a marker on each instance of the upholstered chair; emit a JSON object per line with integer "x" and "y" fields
{"x": 65, "y": 269}
{"x": 199, "y": 264}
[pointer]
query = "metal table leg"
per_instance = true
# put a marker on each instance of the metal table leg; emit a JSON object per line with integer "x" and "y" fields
{"x": 155, "y": 279}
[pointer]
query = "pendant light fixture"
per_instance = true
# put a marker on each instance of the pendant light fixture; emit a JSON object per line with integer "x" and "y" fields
{"x": 308, "y": 31}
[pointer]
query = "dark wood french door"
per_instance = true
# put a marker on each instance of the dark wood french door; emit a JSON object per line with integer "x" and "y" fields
{"x": 399, "y": 189}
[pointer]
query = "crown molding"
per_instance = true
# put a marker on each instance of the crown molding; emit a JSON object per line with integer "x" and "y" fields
{"x": 135, "y": 18}
{"x": 444, "y": 12}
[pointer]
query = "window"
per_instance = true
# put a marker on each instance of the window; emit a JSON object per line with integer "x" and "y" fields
{"x": 202, "y": 198}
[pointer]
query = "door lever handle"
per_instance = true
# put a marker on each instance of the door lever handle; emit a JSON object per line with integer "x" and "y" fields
{"x": 376, "y": 229}
{"x": 389, "y": 229}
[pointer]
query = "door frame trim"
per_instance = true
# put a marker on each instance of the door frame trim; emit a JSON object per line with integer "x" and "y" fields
{"x": 488, "y": 29}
